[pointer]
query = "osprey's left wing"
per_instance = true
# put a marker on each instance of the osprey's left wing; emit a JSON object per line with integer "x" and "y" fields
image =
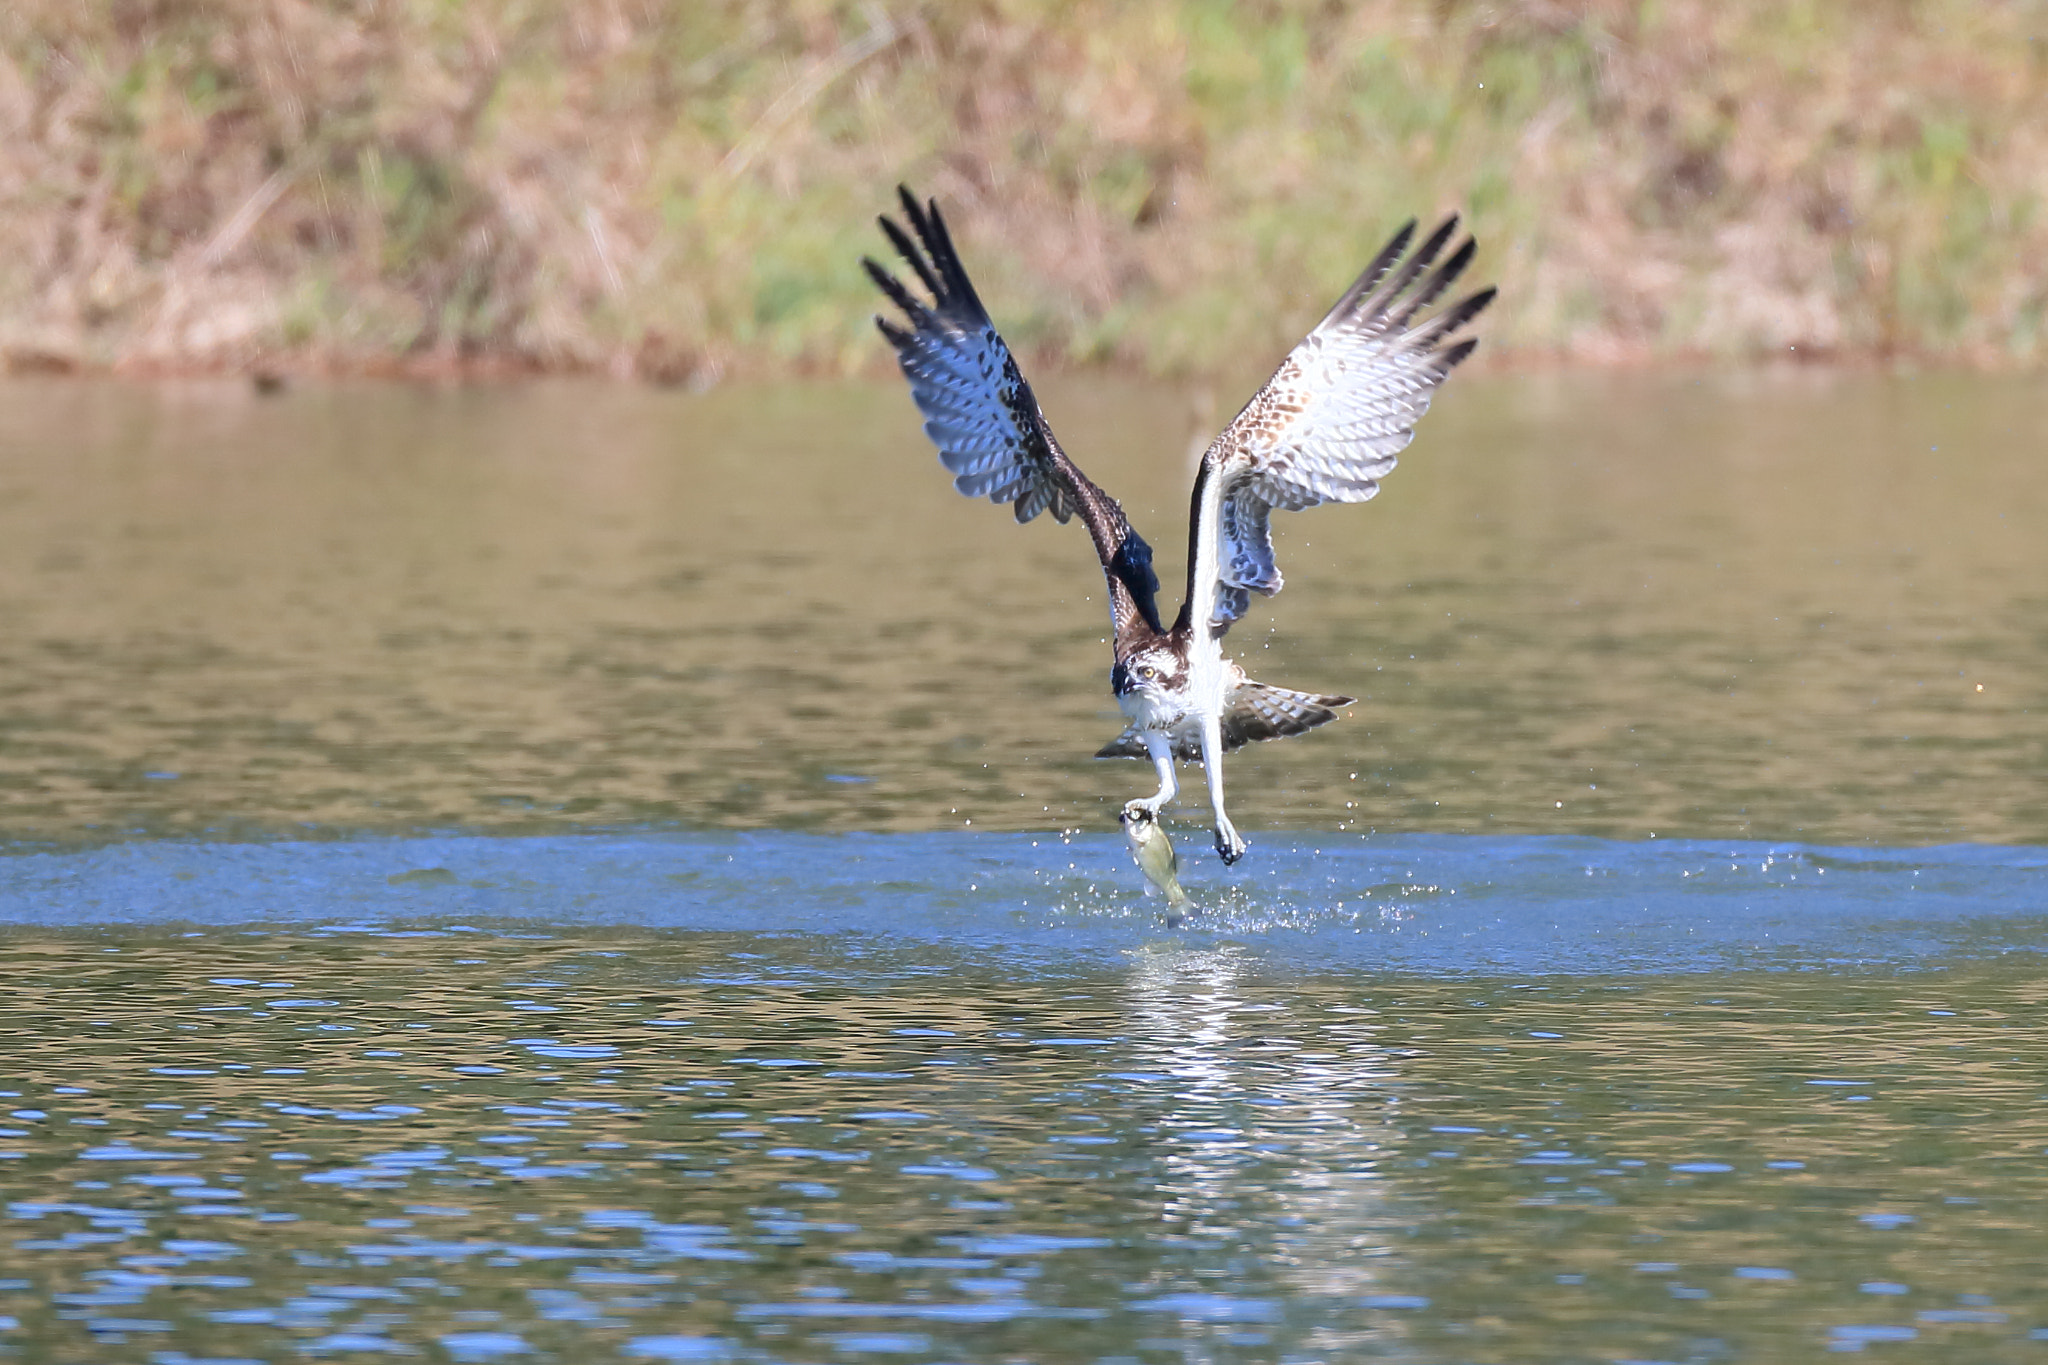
{"x": 1328, "y": 424}
{"x": 984, "y": 418}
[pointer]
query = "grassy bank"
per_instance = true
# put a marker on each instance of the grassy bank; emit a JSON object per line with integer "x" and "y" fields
{"x": 679, "y": 191}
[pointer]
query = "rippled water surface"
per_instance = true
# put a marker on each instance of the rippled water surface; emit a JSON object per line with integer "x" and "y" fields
{"x": 473, "y": 1144}
{"x": 583, "y": 873}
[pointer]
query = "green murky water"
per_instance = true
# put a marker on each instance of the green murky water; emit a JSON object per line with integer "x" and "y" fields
{"x": 1608, "y": 605}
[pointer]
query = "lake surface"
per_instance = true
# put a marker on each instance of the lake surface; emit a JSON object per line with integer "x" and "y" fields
{"x": 574, "y": 872}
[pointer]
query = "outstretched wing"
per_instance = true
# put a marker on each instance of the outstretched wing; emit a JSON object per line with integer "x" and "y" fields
{"x": 984, "y": 418}
{"x": 1327, "y": 426}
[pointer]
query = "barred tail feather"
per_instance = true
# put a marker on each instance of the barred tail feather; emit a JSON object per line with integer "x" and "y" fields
{"x": 1256, "y": 711}
{"x": 1253, "y": 711}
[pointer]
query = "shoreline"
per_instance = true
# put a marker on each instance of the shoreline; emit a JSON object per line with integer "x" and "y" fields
{"x": 276, "y": 372}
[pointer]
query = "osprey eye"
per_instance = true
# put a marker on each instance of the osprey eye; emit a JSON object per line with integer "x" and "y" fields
{"x": 1148, "y": 673}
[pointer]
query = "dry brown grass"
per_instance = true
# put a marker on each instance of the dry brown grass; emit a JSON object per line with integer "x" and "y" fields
{"x": 679, "y": 190}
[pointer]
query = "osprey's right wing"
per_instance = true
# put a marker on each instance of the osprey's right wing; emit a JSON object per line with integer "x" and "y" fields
{"x": 983, "y": 417}
{"x": 1328, "y": 425}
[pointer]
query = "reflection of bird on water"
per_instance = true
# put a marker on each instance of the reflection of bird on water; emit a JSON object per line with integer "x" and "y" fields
{"x": 1154, "y": 852}
{"x": 1325, "y": 428}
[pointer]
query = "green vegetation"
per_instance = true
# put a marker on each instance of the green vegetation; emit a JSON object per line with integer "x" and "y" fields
{"x": 677, "y": 190}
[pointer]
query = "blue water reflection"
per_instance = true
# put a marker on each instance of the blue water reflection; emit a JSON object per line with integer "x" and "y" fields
{"x": 939, "y": 1137}
{"x": 1420, "y": 903}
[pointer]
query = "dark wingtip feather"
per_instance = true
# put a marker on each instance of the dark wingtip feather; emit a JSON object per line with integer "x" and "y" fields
{"x": 1454, "y": 355}
{"x": 938, "y": 238}
{"x": 1423, "y": 257}
{"x": 1396, "y": 246}
{"x": 1444, "y": 232}
{"x": 1460, "y": 258}
{"x": 909, "y": 252}
{"x": 1432, "y": 288}
{"x": 1453, "y": 266}
{"x": 1453, "y": 318}
{"x": 938, "y": 262}
{"x": 1369, "y": 277}
{"x": 1463, "y": 311}
{"x": 893, "y": 287}
{"x": 1374, "y": 306}
{"x": 879, "y": 273}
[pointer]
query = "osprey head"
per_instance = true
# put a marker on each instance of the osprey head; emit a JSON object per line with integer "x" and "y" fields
{"x": 1158, "y": 670}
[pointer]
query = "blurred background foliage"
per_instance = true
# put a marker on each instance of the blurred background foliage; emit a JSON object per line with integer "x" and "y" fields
{"x": 679, "y": 191}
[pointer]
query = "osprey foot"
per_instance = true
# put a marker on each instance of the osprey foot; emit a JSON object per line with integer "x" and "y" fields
{"x": 1230, "y": 845}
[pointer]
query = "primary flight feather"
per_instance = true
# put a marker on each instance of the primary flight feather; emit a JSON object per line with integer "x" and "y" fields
{"x": 1325, "y": 428}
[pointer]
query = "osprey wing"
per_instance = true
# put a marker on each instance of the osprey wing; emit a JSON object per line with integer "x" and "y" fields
{"x": 983, "y": 417}
{"x": 1328, "y": 425}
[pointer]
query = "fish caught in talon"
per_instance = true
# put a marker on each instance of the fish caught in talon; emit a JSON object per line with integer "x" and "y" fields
{"x": 1153, "y": 851}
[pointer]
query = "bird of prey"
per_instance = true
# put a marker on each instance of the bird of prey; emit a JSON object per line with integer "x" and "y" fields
{"x": 1325, "y": 428}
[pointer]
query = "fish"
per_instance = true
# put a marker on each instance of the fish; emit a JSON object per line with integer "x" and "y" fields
{"x": 1153, "y": 852}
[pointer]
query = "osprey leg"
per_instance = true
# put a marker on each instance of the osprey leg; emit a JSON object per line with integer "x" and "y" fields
{"x": 1161, "y": 750}
{"x": 1230, "y": 844}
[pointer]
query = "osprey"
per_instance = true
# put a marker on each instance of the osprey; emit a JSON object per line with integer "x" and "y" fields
{"x": 1325, "y": 428}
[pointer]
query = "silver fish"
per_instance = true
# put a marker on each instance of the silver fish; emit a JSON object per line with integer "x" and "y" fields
{"x": 1155, "y": 858}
